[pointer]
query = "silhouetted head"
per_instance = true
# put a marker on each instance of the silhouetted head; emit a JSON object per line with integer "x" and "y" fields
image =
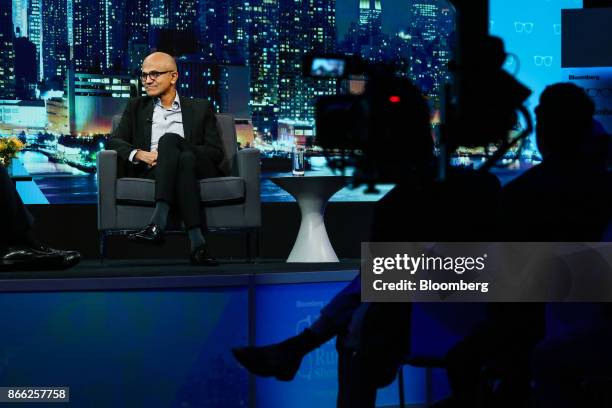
{"x": 159, "y": 74}
{"x": 564, "y": 121}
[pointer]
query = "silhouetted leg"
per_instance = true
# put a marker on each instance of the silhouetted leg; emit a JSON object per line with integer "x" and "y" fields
{"x": 369, "y": 351}
{"x": 506, "y": 352}
{"x": 16, "y": 219}
{"x": 355, "y": 387}
{"x": 464, "y": 365}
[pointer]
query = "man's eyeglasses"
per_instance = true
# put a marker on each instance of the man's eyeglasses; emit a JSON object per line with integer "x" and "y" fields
{"x": 153, "y": 75}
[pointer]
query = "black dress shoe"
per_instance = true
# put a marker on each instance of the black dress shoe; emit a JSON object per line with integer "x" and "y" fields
{"x": 201, "y": 257}
{"x": 152, "y": 233}
{"x": 69, "y": 258}
{"x": 269, "y": 361}
{"x": 28, "y": 258}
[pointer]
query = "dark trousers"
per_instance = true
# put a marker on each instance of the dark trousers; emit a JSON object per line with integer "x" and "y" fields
{"x": 16, "y": 219}
{"x": 176, "y": 176}
{"x": 504, "y": 348}
{"x": 355, "y": 386}
{"x": 372, "y": 338}
{"x": 573, "y": 369}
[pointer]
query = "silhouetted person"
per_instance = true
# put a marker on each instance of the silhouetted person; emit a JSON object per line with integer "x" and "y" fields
{"x": 19, "y": 248}
{"x": 570, "y": 199}
{"x": 565, "y": 198}
{"x": 372, "y": 337}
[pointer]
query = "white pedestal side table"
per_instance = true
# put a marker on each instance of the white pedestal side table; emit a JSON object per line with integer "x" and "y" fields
{"x": 312, "y": 194}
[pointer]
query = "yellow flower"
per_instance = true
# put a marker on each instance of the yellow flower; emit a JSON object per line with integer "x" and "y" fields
{"x": 10, "y": 146}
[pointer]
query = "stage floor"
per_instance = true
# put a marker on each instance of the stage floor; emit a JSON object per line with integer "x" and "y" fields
{"x": 174, "y": 273}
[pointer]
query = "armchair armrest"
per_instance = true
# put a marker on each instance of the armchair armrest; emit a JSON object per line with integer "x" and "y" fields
{"x": 107, "y": 177}
{"x": 249, "y": 168}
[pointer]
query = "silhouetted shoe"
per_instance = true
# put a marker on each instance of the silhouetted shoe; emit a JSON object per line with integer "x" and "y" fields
{"x": 201, "y": 257}
{"x": 27, "y": 258}
{"x": 270, "y": 361}
{"x": 152, "y": 233}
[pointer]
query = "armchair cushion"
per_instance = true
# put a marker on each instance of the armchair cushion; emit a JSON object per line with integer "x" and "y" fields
{"x": 213, "y": 191}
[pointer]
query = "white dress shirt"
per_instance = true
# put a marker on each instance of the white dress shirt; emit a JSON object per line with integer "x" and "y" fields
{"x": 165, "y": 120}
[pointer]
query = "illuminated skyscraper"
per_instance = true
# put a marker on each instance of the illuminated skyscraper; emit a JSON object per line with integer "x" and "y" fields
{"x": 240, "y": 21}
{"x": 371, "y": 41}
{"x": 370, "y": 20}
{"x": 173, "y": 14}
{"x": 447, "y": 21}
{"x": 115, "y": 35}
{"x": 174, "y": 26}
{"x": 425, "y": 16}
{"x": 224, "y": 38}
{"x": 35, "y": 31}
{"x": 54, "y": 39}
{"x": 89, "y": 35}
{"x": 70, "y": 26}
{"x": 305, "y": 26}
{"x": 263, "y": 63}
{"x": 442, "y": 50}
{"x": 20, "y": 18}
{"x": 99, "y": 34}
{"x": 7, "y": 51}
{"x": 108, "y": 35}
{"x": 182, "y": 15}
{"x": 138, "y": 21}
{"x": 159, "y": 13}
{"x": 430, "y": 32}
{"x": 198, "y": 79}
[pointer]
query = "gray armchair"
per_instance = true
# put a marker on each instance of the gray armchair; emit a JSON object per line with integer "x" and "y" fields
{"x": 230, "y": 203}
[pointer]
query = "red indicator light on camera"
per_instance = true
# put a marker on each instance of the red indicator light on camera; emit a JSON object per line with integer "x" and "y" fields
{"x": 394, "y": 99}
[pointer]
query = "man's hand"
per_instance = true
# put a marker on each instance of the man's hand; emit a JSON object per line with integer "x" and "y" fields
{"x": 150, "y": 158}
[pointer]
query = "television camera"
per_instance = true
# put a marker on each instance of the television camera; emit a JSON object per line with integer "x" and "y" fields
{"x": 368, "y": 131}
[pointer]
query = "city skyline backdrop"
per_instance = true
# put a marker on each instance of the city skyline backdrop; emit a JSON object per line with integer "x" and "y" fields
{"x": 66, "y": 122}
{"x": 68, "y": 66}
{"x": 68, "y": 48}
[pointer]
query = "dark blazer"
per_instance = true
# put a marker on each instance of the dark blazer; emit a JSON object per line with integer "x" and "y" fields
{"x": 199, "y": 126}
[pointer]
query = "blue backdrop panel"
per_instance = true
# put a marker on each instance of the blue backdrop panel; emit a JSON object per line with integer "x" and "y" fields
{"x": 531, "y": 29}
{"x": 127, "y": 349}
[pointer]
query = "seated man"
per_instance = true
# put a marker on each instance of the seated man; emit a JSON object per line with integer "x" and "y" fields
{"x": 570, "y": 199}
{"x": 567, "y": 198}
{"x": 19, "y": 248}
{"x": 174, "y": 141}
